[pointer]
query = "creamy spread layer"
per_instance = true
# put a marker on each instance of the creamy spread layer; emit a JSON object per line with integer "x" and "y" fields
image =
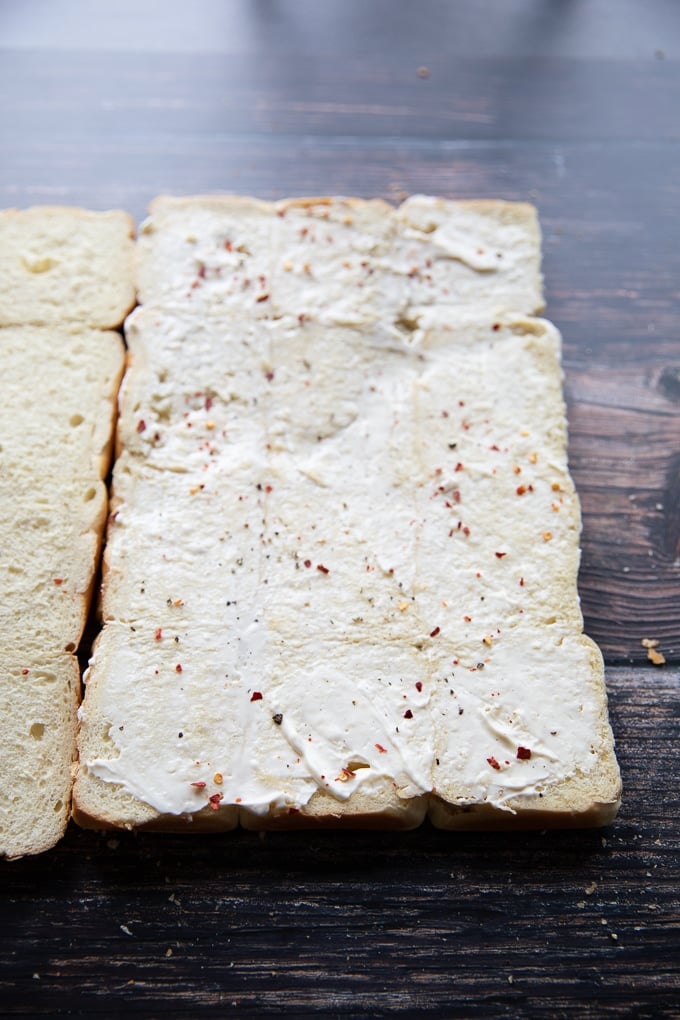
{"x": 345, "y": 262}
{"x": 341, "y": 559}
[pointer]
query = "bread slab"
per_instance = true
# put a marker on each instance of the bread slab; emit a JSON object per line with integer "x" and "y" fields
{"x": 340, "y": 583}
{"x": 341, "y": 261}
{"x": 56, "y": 423}
{"x": 61, "y": 264}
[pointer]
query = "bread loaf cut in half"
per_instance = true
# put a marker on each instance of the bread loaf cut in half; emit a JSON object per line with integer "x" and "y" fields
{"x": 341, "y": 261}
{"x": 61, "y": 264}
{"x": 56, "y": 425}
{"x": 341, "y": 567}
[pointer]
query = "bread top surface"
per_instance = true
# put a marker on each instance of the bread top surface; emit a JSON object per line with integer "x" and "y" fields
{"x": 385, "y": 529}
{"x": 341, "y": 261}
{"x": 56, "y": 422}
{"x": 61, "y": 264}
{"x": 38, "y": 699}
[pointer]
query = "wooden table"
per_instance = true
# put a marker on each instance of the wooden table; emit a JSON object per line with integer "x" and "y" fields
{"x": 576, "y": 107}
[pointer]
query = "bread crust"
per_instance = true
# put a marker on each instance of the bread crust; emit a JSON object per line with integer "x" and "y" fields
{"x": 439, "y": 308}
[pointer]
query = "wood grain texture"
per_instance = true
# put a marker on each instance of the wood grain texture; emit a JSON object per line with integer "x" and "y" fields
{"x": 574, "y": 107}
{"x": 578, "y": 924}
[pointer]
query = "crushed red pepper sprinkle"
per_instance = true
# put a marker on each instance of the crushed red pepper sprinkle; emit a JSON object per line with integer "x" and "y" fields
{"x": 523, "y": 753}
{"x": 178, "y": 668}
{"x": 437, "y": 630}
{"x": 494, "y": 764}
{"x": 256, "y": 696}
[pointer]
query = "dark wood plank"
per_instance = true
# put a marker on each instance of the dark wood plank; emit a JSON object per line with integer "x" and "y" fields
{"x": 601, "y": 29}
{"x": 573, "y": 106}
{"x": 504, "y": 97}
{"x": 578, "y": 924}
{"x": 625, "y": 458}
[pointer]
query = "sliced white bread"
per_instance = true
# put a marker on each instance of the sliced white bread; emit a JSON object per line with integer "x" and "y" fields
{"x": 56, "y": 424}
{"x": 339, "y": 260}
{"x": 324, "y": 540}
{"x": 61, "y": 264}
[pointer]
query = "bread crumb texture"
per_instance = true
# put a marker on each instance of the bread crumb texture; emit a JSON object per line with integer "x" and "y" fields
{"x": 62, "y": 271}
{"x": 59, "y": 264}
{"x": 340, "y": 574}
{"x": 340, "y": 569}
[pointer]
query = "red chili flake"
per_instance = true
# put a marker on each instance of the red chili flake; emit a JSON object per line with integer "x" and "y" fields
{"x": 445, "y": 414}
{"x": 458, "y": 467}
{"x": 521, "y": 582}
{"x": 58, "y": 580}
{"x": 302, "y": 318}
{"x": 214, "y": 801}
{"x": 466, "y": 531}
{"x": 383, "y": 750}
{"x": 468, "y": 619}
{"x": 178, "y": 668}
{"x": 433, "y": 633}
{"x": 494, "y": 764}
{"x": 228, "y": 245}
{"x": 199, "y": 784}
{"x": 158, "y": 634}
{"x": 141, "y": 425}
{"x": 500, "y": 555}
{"x": 308, "y": 563}
{"x": 24, "y": 672}
{"x": 523, "y": 753}
{"x": 496, "y": 326}
{"x": 256, "y": 696}
{"x": 268, "y": 488}
{"x": 419, "y": 685}
{"x": 208, "y": 403}
{"x": 320, "y": 567}
{"x": 269, "y": 376}
{"x": 408, "y": 714}
{"x": 521, "y": 489}
{"x": 461, "y": 403}
{"x": 496, "y": 448}
{"x": 261, "y": 297}
{"x": 201, "y": 271}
